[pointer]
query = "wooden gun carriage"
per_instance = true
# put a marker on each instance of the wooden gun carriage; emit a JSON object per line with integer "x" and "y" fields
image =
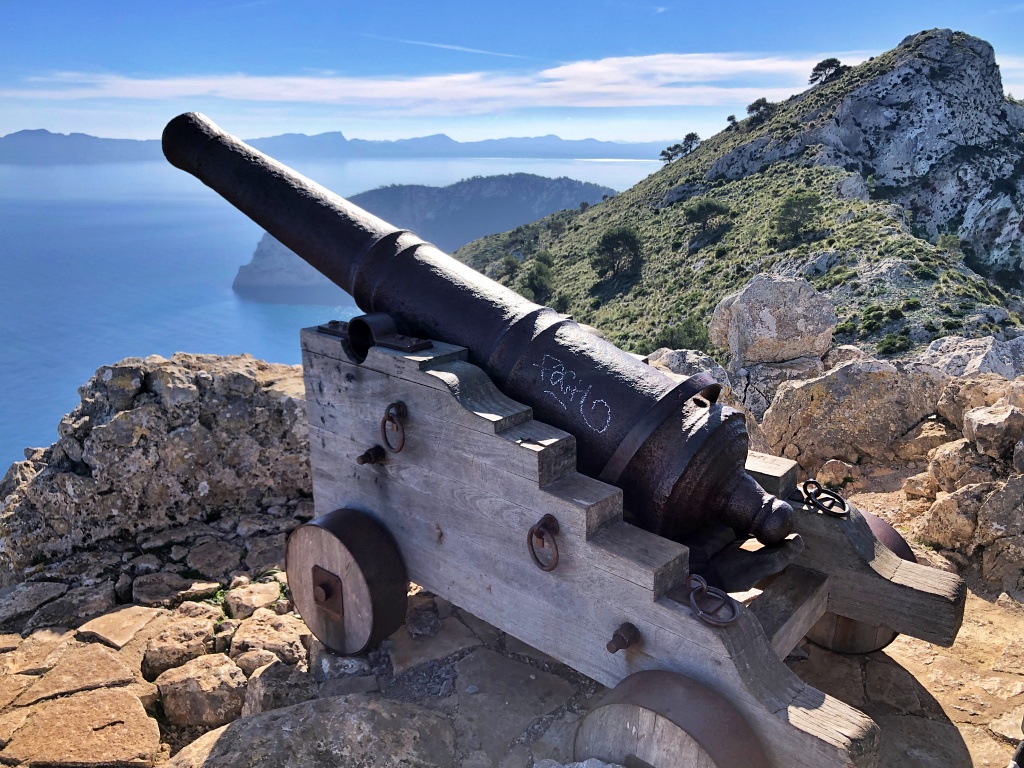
{"x": 424, "y": 469}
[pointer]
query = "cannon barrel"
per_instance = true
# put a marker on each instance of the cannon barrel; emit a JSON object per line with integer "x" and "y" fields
{"x": 678, "y": 458}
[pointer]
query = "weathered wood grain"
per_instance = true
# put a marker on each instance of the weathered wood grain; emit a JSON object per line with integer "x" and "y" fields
{"x": 790, "y": 605}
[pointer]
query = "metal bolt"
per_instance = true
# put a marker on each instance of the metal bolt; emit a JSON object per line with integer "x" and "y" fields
{"x": 625, "y": 636}
{"x": 371, "y": 456}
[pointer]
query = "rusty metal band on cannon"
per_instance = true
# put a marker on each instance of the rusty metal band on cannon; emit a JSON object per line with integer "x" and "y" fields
{"x": 677, "y": 455}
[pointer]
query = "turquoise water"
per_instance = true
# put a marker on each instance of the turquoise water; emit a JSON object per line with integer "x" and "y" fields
{"x": 102, "y": 262}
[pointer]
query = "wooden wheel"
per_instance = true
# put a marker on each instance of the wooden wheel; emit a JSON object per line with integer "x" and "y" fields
{"x": 347, "y": 580}
{"x": 660, "y": 719}
{"x": 845, "y": 635}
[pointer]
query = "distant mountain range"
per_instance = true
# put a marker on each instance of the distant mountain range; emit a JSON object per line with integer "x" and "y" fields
{"x": 41, "y": 147}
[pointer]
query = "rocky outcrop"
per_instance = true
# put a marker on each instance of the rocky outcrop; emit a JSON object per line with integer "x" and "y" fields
{"x": 853, "y": 412}
{"x": 277, "y": 274}
{"x": 773, "y": 320}
{"x": 958, "y": 356}
{"x": 156, "y": 444}
{"x": 933, "y": 129}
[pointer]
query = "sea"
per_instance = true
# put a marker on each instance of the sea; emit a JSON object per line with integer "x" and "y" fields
{"x": 106, "y": 261}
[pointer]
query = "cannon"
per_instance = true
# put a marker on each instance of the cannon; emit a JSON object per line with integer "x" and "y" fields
{"x": 505, "y": 458}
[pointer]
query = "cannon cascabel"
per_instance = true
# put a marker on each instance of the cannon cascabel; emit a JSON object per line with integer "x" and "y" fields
{"x": 678, "y": 456}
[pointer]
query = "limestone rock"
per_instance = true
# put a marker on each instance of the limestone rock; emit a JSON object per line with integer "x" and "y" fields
{"x": 39, "y": 652}
{"x": 935, "y": 129}
{"x": 80, "y": 669}
{"x": 922, "y": 439}
{"x": 168, "y": 589}
{"x": 94, "y": 729}
{"x": 74, "y": 608}
{"x": 844, "y": 353}
{"x": 956, "y": 464}
{"x": 771, "y": 320}
{"x": 1002, "y": 514}
{"x": 756, "y": 385}
{"x": 958, "y": 356}
{"x": 325, "y": 665}
{"x": 348, "y": 732}
{"x": 196, "y": 610}
{"x": 252, "y": 660}
{"x": 285, "y": 636}
{"x": 690, "y": 362}
{"x": 921, "y": 485}
{"x": 836, "y": 474}
{"x": 241, "y": 603}
{"x": 994, "y": 429}
{"x": 950, "y": 522}
{"x": 190, "y": 438}
{"x": 22, "y": 599}
{"x": 510, "y": 696}
{"x": 185, "y": 639}
{"x": 214, "y": 560}
{"x": 11, "y": 687}
{"x": 856, "y": 410}
{"x": 1002, "y": 563}
{"x": 209, "y": 690}
{"x": 277, "y": 685}
{"x": 118, "y": 627}
{"x": 265, "y": 553}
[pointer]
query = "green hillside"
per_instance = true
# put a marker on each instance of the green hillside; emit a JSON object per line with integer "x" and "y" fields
{"x": 891, "y": 285}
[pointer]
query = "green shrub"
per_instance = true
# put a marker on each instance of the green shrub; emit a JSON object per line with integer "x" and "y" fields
{"x": 689, "y": 333}
{"x": 911, "y": 304}
{"x": 892, "y": 344}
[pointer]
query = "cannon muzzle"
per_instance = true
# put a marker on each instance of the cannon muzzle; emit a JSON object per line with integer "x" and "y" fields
{"x": 677, "y": 455}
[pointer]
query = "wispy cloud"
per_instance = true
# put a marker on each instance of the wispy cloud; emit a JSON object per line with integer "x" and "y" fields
{"x": 443, "y": 46}
{"x": 661, "y": 80}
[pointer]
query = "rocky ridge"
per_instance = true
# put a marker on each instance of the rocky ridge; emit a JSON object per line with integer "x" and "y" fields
{"x": 916, "y": 161}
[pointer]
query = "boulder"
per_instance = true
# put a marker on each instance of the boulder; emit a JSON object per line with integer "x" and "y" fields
{"x": 241, "y": 603}
{"x": 690, "y": 362}
{"x": 771, "y": 320}
{"x": 844, "y": 353}
{"x": 856, "y": 410}
{"x": 185, "y": 639}
{"x": 950, "y": 522}
{"x": 756, "y": 385}
{"x": 285, "y": 636}
{"x": 277, "y": 685}
{"x": 348, "y": 732}
{"x": 922, "y": 439}
{"x": 962, "y": 393}
{"x": 921, "y": 485}
{"x": 1002, "y": 514}
{"x": 995, "y": 429}
{"x": 957, "y": 464}
{"x": 209, "y": 690}
{"x": 154, "y": 442}
{"x": 958, "y": 356}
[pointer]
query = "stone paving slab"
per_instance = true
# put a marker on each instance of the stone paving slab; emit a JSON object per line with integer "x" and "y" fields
{"x": 118, "y": 627}
{"x": 38, "y": 652}
{"x": 74, "y": 608}
{"x": 80, "y": 669}
{"x": 408, "y": 652}
{"x": 9, "y": 641}
{"x": 86, "y": 730}
{"x": 499, "y": 697}
{"x": 11, "y": 687}
{"x": 166, "y": 590}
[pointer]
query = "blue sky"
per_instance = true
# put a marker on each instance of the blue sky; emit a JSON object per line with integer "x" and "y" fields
{"x": 608, "y": 69}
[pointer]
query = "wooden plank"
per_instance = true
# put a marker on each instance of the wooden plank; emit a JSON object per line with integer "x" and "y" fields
{"x": 773, "y": 473}
{"x": 387, "y": 361}
{"x": 636, "y": 555}
{"x": 355, "y": 408}
{"x": 871, "y": 584}
{"x": 791, "y": 605}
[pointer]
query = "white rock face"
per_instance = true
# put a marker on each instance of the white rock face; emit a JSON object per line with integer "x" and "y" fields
{"x": 772, "y": 320}
{"x": 958, "y": 356}
{"x": 937, "y": 134}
